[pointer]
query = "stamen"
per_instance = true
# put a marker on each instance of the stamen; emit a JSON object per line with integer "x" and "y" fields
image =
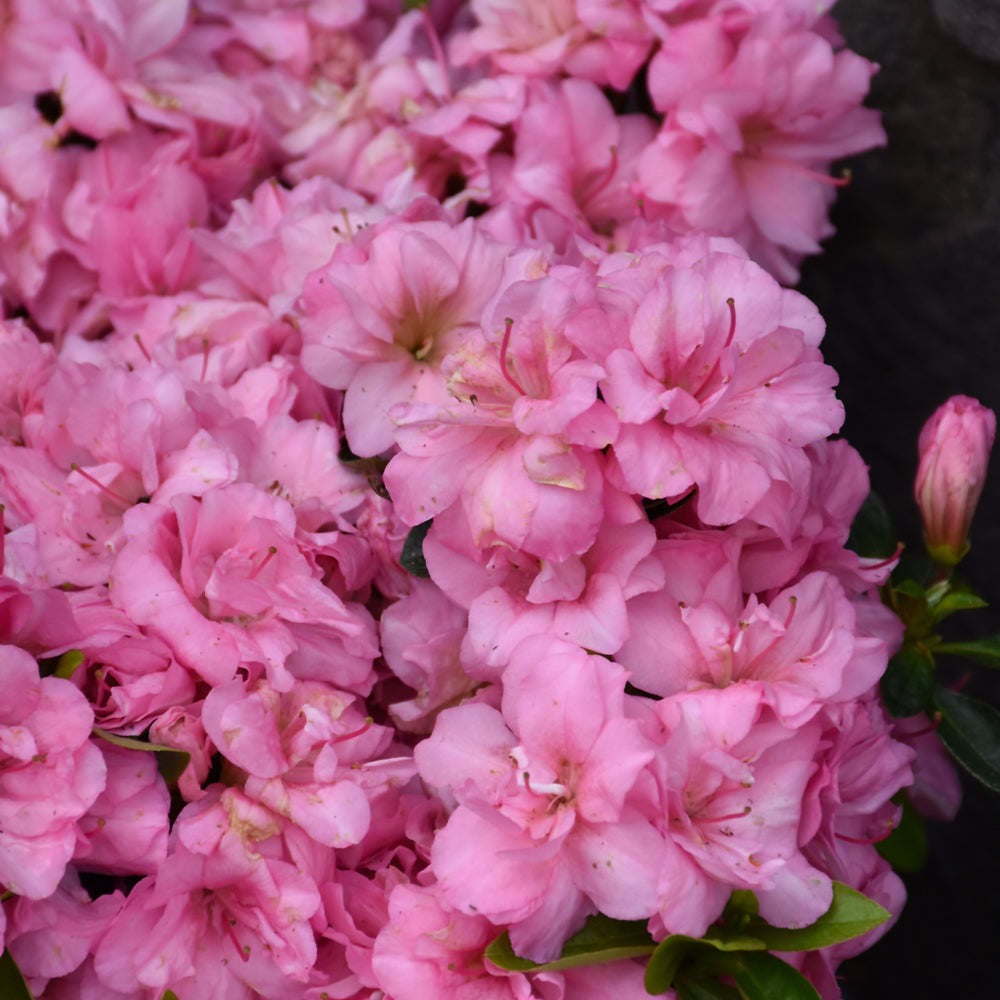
{"x": 244, "y": 952}
{"x": 935, "y": 722}
{"x": 142, "y": 347}
{"x": 3, "y": 532}
{"x": 861, "y": 840}
{"x": 369, "y": 722}
{"x": 503, "y": 356}
{"x": 606, "y": 179}
{"x": 722, "y": 819}
{"x": 798, "y": 168}
{"x": 892, "y": 558}
{"x": 271, "y": 552}
{"x": 204, "y": 360}
{"x": 731, "y": 302}
{"x": 437, "y": 50}
{"x": 793, "y": 603}
{"x": 90, "y": 479}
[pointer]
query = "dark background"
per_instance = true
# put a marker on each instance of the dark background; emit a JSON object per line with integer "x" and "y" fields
{"x": 910, "y": 288}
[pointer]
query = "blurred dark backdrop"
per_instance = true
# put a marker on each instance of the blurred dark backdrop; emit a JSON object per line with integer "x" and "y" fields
{"x": 910, "y": 288}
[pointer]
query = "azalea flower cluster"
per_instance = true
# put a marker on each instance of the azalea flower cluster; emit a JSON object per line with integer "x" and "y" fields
{"x": 298, "y": 294}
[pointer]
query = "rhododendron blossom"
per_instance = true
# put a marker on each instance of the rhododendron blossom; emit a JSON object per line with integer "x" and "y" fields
{"x": 420, "y": 532}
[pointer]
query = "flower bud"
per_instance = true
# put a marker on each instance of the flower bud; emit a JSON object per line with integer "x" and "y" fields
{"x": 954, "y": 452}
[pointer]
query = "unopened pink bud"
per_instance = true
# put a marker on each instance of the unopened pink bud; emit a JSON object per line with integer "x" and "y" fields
{"x": 954, "y": 453}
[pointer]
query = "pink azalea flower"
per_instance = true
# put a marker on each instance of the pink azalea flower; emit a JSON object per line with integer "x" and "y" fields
{"x": 303, "y": 754}
{"x": 593, "y": 39}
{"x": 226, "y": 912}
{"x": 52, "y": 937}
{"x": 575, "y": 158}
{"x": 745, "y": 149}
{"x": 224, "y": 582}
{"x": 50, "y": 774}
{"x": 511, "y": 595}
{"x": 421, "y": 635}
{"x": 732, "y": 779}
{"x": 524, "y": 419}
{"x": 720, "y": 388}
{"x": 543, "y": 833}
{"x": 803, "y": 649}
{"x": 385, "y": 312}
{"x": 429, "y": 950}
{"x": 125, "y": 830}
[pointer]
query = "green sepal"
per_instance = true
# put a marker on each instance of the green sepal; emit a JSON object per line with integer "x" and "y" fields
{"x": 764, "y": 976}
{"x": 906, "y": 847}
{"x": 984, "y": 651}
{"x": 601, "y": 940}
{"x": 169, "y": 995}
{"x": 169, "y": 760}
{"x": 970, "y": 729}
{"x": 409, "y": 5}
{"x": 412, "y": 557}
{"x": 907, "y": 685}
{"x": 872, "y": 533}
{"x": 12, "y": 984}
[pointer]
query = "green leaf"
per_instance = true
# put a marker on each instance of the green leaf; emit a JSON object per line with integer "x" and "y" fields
{"x": 766, "y": 977}
{"x": 412, "y": 558}
{"x": 742, "y": 902}
{"x": 601, "y": 940}
{"x": 730, "y": 939}
{"x": 850, "y": 914}
{"x": 689, "y": 988}
{"x": 908, "y": 682}
{"x": 906, "y": 847}
{"x": 169, "y": 995}
{"x": 169, "y": 760}
{"x": 985, "y": 651}
{"x": 970, "y": 729}
{"x": 68, "y": 662}
{"x": 671, "y": 955}
{"x": 12, "y": 984}
{"x": 954, "y": 595}
{"x": 872, "y": 533}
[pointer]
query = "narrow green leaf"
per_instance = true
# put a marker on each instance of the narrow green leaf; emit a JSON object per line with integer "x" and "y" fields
{"x": 12, "y": 984}
{"x": 906, "y": 847}
{"x": 872, "y": 533}
{"x": 601, "y": 940}
{"x": 766, "y": 977}
{"x": 412, "y": 557}
{"x": 850, "y": 914}
{"x": 908, "y": 682}
{"x": 169, "y": 760}
{"x": 985, "y": 651}
{"x": 970, "y": 729}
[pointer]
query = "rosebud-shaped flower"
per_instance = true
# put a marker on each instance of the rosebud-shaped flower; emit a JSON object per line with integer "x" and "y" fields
{"x": 954, "y": 452}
